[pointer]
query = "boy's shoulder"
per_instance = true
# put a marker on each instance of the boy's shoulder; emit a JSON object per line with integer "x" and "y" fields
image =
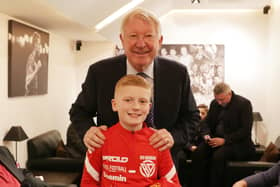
{"x": 149, "y": 130}
{"x": 110, "y": 130}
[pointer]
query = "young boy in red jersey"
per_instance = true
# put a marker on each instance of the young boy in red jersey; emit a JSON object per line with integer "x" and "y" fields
{"x": 127, "y": 159}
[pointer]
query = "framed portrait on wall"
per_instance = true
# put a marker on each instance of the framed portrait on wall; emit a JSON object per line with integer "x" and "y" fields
{"x": 28, "y": 50}
{"x": 205, "y": 63}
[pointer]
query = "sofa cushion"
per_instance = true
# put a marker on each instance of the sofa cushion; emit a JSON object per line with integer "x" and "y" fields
{"x": 61, "y": 150}
{"x": 60, "y": 178}
{"x": 271, "y": 153}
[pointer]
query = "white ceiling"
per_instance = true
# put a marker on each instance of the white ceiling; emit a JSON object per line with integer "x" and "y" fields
{"x": 76, "y": 19}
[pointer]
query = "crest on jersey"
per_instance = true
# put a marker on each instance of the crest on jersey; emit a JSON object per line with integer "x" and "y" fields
{"x": 147, "y": 168}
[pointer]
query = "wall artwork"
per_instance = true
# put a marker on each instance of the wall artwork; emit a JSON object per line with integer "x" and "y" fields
{"x": 28, "y": 50}
{"x": 205, "y": 63}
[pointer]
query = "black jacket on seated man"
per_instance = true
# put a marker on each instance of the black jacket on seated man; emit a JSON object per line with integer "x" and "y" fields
{"x": 23, "y": 176}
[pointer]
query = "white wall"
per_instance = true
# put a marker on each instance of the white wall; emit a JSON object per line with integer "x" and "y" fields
{"x": 90, "y": 53}
{"x": 245, "y": 36}
{"x": 273, "y": 67}
{"x": 38, "y": 114}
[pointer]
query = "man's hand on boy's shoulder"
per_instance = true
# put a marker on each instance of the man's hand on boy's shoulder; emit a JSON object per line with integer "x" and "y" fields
{"x": 94, "y": 138}
{"x": 161, "y": 139}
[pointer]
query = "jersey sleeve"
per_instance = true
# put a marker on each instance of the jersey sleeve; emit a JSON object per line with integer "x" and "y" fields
{"x": 92, "y": 169}
{"x": 167, "y": 172}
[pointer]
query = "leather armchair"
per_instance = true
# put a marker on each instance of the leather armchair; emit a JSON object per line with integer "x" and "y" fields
{"x": 42, "y": 160}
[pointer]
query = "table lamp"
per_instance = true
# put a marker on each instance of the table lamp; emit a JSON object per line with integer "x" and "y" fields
{"x": 16, "y": 133}
{"x": 256, "y": 118}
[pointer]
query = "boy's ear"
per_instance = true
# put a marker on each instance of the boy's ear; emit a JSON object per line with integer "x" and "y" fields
{"x": 114, "y": 105}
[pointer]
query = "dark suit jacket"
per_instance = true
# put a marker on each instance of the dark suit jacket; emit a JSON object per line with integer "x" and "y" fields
{"x": 25, "y": 178}
{"x": 237, "y": 119}
{"x": 174, "y": 104}
{"x": 7, "y": 160}
{"x": 75, "y": 146}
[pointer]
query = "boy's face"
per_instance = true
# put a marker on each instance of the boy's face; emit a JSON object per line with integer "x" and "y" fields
{"x": 202, "y": 113}
{"x": 133, "y": 105}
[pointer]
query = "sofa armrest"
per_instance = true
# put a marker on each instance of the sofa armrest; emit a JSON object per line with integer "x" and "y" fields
{"x": 251, "y": 164}
{"x": 237, "y": 170}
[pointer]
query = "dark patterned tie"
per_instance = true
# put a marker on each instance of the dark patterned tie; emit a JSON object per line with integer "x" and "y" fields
{"x": 150, "y": 118}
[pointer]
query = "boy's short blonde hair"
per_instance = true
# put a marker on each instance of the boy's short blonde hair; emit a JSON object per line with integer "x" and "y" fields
{"x": 132, "y": 80}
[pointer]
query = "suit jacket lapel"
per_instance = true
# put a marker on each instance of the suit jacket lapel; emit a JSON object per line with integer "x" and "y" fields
{"x": 8, "y": 161}
{"x": 156, "y": 89}
{"x": 122, "y": 66}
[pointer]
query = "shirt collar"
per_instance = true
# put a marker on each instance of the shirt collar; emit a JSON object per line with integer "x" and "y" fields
{"x": 149, "y": 71}
{"x": 123, "y": 130}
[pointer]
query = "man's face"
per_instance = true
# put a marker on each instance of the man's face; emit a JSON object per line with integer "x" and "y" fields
{"x": 133, "y": 105}
{"x": 140, "y": 42}
{"x": 223, "y": 99}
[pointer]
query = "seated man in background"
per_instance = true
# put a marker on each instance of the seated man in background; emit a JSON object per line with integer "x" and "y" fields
{"x": 11, "y": 176}
{"x": 268, "y": 178}
{"x": 227, "y": 137}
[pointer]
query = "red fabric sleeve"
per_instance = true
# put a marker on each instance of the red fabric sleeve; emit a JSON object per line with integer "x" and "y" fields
{"x": 167, "y": 172}
{"x": 92, "y": 169}
{"x": 6, "y": 178}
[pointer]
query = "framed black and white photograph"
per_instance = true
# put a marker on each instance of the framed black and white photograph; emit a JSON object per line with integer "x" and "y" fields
{"x": 28, "y": 50}
{"x": 205, "y": 63}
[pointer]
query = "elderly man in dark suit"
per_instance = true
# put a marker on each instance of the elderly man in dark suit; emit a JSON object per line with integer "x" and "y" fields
{"x": 11, "y": 176}
{"x": 174, "y": 113}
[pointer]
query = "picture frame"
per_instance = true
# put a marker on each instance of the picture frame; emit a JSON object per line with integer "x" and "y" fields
{"x": 28, "y": 50}
{"x": 205, "y": 65}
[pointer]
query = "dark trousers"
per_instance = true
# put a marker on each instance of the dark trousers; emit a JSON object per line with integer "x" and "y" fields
{"x": 208, "y": 165}
{"x": 179, "y": 158}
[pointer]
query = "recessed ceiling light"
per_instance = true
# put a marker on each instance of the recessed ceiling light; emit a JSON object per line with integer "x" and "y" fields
{"x": 195, "y": 1}
{"x": 117, "y": 14}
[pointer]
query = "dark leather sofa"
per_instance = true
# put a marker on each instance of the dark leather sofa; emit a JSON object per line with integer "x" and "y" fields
{"x": 235, "y": 170}
{"x": 43, "y": 160}
{"x": 240, "y": 169}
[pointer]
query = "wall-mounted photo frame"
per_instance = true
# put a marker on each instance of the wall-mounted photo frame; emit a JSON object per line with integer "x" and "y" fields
{"x": 205, "y": 63}
{"x": 28, "y": 53}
